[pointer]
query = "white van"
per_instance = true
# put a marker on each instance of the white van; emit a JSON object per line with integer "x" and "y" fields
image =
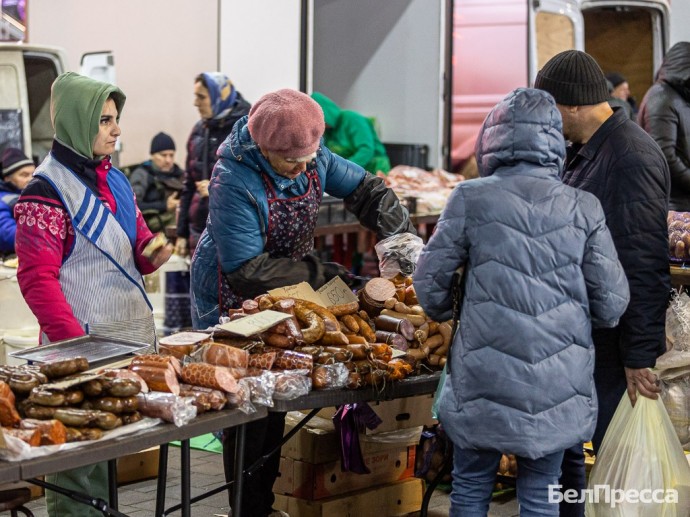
{"x": 26, "y": 75}
{"x": 499, "y": 45}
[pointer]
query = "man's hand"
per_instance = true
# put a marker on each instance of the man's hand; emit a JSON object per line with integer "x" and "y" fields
{"x": 161, "y": 255}
{"x": 644, "y": 381}
{"x": 202, "y": 188}
{"x": 172, "y": 202}
{"x": 181, "y": 247}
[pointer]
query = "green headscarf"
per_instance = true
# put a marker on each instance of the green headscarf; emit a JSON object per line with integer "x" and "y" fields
{"x": 76, "y": 103}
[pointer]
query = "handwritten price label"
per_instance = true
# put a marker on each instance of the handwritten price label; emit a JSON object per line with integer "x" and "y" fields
{"x": 336, "y": 292}
{"x": 255, "y": 324}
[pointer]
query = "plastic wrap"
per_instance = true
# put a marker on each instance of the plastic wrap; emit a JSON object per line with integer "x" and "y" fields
{"x": 330, "y": 376}
{"x": 678, "y": 322}
{"x": 679, "y": 236}
{"x": 261, "y": 388}
{"x": 242, "y": 400}
{"x": 398, "y": 254}
{"x": 292, "y": 384}
{"x": 167, "y": 406}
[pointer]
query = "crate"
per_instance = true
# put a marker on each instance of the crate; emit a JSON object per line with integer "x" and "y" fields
{"x": 138, "y": 466}
{"x": 332, "y": 211}
{"x": 414, "y": 155}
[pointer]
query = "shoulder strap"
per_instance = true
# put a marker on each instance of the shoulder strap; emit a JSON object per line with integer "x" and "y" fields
{"x": 457, "y": 291}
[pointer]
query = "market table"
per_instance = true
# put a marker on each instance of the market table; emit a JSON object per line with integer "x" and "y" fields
{"x": 109, "y": 450}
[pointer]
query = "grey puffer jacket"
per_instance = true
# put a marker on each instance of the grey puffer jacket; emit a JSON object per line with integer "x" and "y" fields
{"x": 665, "y": 115}
{"x": 540, "y": 269}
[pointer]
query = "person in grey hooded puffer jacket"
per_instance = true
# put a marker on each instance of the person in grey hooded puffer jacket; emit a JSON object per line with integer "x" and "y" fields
{"x": 540, "y": 270}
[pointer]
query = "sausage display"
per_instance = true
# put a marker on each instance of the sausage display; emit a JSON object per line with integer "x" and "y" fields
{"x": 209, "y": 376}
{"x": 9, "y": 416}
{"x": 225, "y": 355}
{"x": 53, "y": 432}
{"x": 158, "y": 378}
{"x": 57, "y": 369}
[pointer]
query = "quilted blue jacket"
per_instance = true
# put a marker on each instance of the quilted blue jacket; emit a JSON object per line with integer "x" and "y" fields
{"x": 8, "y": 226}
{"x": 541, "y": 269}
{"x": 238, "y": 211}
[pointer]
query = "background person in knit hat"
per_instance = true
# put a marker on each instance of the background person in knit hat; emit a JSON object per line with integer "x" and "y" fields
{"x": 620, "y": 93}
{"x": 16, "y": 170}
{"x": 80, "y": 241}
{"x": 265, "y": 193}
{"x": 157, "y": 183}
{"x": 613, "y": 158}
{"x": 220, "y": 105}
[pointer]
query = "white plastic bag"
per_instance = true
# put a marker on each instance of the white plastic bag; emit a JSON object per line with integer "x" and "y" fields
{"x": 641, "y": 470}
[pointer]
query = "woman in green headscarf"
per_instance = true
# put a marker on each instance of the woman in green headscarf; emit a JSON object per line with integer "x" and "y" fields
{"x": 80, "y": 241}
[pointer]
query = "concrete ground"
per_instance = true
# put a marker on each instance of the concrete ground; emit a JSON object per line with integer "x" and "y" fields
{"x": 139, "y": 499}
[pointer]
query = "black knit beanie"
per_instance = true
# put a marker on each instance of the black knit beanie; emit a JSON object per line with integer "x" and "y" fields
{"x": 573, "y": 78}
{"x": 13, "y": 159}
{"x": 162, "y": 142}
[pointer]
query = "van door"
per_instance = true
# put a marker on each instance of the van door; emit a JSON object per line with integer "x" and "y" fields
{"x": 14, "y": 117}
{"x": 99, "y": 66}
{"x": 628, "y": 37}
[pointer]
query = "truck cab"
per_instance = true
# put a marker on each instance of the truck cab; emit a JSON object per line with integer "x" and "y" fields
{"x": 26, "y": 75}
{"x": 499, "y": 45}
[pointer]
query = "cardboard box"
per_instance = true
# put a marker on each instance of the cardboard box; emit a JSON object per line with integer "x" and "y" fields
{"x": 317, "y": 481}
{"x": 138, "y": 466}
{"x": 397, "y": 413}
{"x": 395, "y": 499}
{"x": 317, "y": 441}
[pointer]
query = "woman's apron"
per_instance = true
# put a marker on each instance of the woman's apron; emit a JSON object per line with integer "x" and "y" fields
{"x": 291, "y": 224}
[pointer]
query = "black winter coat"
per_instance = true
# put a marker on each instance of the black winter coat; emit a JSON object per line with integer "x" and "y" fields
{"x": 202, "y": 145}
{"x": 626, "y": 170}
{"x": 665, "y": 115}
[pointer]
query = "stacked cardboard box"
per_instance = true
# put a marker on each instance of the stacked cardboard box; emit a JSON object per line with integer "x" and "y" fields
{"x": 311, "y": 481}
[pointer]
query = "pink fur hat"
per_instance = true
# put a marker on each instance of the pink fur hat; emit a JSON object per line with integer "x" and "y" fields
{"x": 287, "y": 122}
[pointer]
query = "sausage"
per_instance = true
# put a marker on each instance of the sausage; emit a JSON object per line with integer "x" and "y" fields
{"x": 263, "y": 360}
{"x": 356, "y": 340}
{"x": 9, "y": 416}
{"x": 201, "y": 400}
{"x": 38, "y": 412}
{"x": 158, "y": 405}
{"x": 216, "y": 397}
{"x": 86, "y": 417}
{"x": 131, "y": 418}
{"x": 350, "y": 322}
{"x": 381, "y": 352}
{"x": 53, "y": 432}
{"x": 106, "y": 420}
{"x": 81, "y": 434}
{"x": 123, "y": 387}
{"x": 354, "y": 381}
{"x": 122, "y": 373}
{"x": 158, "y": 378}
{"x": 391, "y": 324}
{"x": 392, "y": 338}
{"x": 209, "y": 376}
{"x": 158, "y": 360}
{"x": 340, "y": 354}
{"x": 345, "y": 308}
{"x": 93, "y": 388}
{"x": 334, "y": 339}
{"x": 359, "y": 352}
{"x": 23, "y": 382}
{"x": 224, "y": 355}
{"x": 46, "y": 397}
{"x": 329, "y": 320}
{"x": 325, "y": 358}
{"x": 365, "y": 329}
{"x": 292, "y": 360}
{"x": 250, "y": 306}
{"x": 315, "y": 327}
{"x": 111, "y": 404}
{"x": 416, "y": 319}
{"x": 74, "y": 397}
{"x": 278, "y": 340}
{"x": 64, "y": 368}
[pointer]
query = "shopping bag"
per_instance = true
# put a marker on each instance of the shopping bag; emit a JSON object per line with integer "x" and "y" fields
{"x": 640, "y": 470}
{"x": 437, "y": 395}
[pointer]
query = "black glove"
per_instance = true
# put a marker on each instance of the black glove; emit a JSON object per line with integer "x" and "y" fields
{"x": 333, "y": 269}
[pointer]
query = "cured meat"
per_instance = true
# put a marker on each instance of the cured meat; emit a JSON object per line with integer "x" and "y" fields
{"x": 53, "y": 432}
{"x": 30, "y": 436}
{"x": 225, "y": 355}
{"x": 9, "y": 416}
{"x": 59, "y": 369}
{"x": 158, "y": 360}
{"x": 158, "y": 378}
{"x": 291, "y": 360}
{"x": 209, "y": 376}
{"x": 122, "y": 373}
{"x": 216, "y": 397}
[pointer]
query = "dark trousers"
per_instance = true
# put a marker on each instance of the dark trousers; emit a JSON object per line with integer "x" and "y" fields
{"x": 261, "y": 437}
{"x": 610, "y": 385}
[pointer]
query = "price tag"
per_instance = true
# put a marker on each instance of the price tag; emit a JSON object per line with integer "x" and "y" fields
{"x": 336, "y": 292}
{"x": 255, "y": 323}
{"x": 303, "y": 291}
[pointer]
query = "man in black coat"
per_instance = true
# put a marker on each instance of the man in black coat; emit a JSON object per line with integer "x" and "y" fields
{"x": 613, "y": 158}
